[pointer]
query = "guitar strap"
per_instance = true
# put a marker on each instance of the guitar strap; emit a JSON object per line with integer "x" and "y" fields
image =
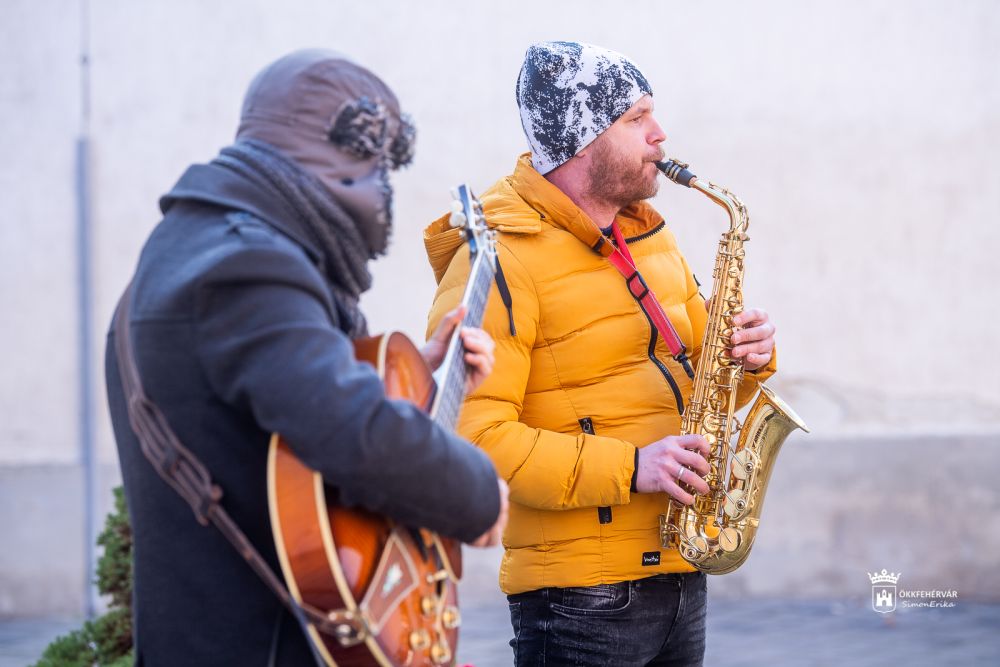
{"x": 189, "y": 477}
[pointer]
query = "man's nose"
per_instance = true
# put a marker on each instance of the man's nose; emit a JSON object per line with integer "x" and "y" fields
{"x": 656, "y": 135}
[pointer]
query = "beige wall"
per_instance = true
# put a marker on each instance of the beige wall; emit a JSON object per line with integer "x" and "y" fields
{"x": 862, "y": 136}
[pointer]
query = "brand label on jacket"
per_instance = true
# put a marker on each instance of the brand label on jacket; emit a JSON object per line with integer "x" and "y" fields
{"x": 650, "y": 558}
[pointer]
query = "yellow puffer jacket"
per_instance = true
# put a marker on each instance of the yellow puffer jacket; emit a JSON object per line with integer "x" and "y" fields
{"x": 580, "y": 358}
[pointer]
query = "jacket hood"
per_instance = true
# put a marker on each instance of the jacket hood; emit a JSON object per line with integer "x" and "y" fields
{"x": 521, "y": 204}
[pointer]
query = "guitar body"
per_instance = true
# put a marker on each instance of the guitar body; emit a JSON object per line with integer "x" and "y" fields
{"x": 402, "y": 582}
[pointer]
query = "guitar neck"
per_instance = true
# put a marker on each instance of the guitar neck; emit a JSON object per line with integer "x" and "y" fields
{"x": 452, "y": 373}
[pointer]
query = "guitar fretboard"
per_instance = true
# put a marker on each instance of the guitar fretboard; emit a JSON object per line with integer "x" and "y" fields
{"x": 451, "y": 382}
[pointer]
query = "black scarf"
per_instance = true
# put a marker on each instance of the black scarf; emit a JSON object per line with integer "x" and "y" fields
{"x": 318, "y": 216}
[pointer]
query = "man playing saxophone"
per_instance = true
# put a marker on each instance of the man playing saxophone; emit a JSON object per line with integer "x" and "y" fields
{"x": 582, "y": 413}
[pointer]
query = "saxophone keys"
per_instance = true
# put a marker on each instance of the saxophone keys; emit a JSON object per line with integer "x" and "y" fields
{"x": 695, "y": 546}
{"x": 724, "y": 360}
{"x": 736, "y": 503}
{"x": 729, "y": 539}
{"x": 711, "y": 423}
{"x": 744, "y": 463}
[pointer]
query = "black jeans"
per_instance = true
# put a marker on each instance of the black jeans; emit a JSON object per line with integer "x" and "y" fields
{"x": 659, "y": 620}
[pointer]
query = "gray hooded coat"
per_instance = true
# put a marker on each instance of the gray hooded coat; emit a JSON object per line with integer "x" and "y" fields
{"x": 237, "y": 334}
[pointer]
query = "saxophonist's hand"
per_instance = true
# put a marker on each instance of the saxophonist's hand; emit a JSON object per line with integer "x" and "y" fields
{"x": 754, "y": 342}
{"x": 675, "y": 460}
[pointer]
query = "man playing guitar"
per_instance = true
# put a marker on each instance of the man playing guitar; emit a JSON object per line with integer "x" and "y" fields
{"x": 238, "y": 324}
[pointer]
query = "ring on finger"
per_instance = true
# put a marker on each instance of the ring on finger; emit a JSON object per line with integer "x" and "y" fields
{"x": 680, "y": 471}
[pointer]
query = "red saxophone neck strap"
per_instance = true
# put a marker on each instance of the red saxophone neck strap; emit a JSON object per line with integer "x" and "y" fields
{"x": 621, "y": 258}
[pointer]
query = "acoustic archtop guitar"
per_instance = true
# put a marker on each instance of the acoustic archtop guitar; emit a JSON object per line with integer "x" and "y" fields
{"x": 390, "y": 591}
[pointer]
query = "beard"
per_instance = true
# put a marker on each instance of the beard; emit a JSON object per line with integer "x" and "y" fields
{"x": 620, "y": 179}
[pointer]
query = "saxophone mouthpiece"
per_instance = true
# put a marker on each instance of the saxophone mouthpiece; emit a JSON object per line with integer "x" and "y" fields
{"x": 676, "y": 171}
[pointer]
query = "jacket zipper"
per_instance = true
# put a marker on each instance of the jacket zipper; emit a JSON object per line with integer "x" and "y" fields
{"x": 647, "y": 234}
{"x": 651, "y": 350}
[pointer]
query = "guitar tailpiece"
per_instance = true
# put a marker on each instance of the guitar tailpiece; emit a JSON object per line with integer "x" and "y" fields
{"x": 346, "y": 627}
{"x": 348, "y": 635}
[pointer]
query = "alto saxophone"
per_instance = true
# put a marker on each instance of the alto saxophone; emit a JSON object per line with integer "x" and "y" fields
{"x": 715, "y": 534}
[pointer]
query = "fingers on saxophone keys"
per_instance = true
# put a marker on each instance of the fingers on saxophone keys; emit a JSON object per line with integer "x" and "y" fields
{"x": 695, "y": 462}
{"x": 749, "y": 315}
{"x": 755, "y": 361}
{"x": 691, "y": 480}
{"x": 682, "y": 492}
{"x": 753, "y": 340}
{"x": 694, "y": 443}
{"x": 680, "y": 495}
{"x": 749, "y": 350}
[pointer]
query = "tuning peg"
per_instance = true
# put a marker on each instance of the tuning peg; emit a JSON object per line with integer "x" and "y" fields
{"x": 453, "y": 192}
{"x": 457, "y": 219}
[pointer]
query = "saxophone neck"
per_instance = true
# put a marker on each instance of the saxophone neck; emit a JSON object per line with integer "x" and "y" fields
{"x": 679, "y": 173}
{"x": 739, "y": 219}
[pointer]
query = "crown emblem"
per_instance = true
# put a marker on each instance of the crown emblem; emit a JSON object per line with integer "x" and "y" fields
{"x": 885, "y": 577}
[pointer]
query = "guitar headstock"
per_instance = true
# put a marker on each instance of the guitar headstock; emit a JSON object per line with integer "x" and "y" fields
{"x": 467, "y": 213}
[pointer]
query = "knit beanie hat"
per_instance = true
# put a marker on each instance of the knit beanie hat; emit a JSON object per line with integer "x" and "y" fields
{"x": 569, "y": 93}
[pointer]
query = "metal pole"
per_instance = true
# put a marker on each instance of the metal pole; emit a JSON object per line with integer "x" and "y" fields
{"x": 84, "y": 307}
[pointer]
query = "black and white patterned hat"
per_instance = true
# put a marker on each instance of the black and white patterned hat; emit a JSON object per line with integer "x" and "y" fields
{"x": 569, "y": 93}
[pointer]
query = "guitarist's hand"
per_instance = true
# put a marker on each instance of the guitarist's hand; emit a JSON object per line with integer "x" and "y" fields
{"x": 478, "y": 348}
{"x": 491, "y": 537}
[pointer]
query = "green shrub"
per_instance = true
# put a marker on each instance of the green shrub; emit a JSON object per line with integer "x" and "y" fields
{"x": 105, "y": 641}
